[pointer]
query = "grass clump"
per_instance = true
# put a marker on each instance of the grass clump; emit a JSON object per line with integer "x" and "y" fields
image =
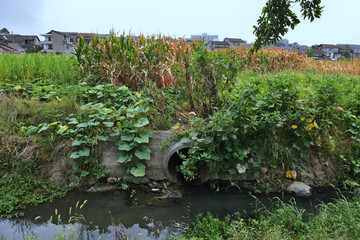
{"x": 337, "y": 220}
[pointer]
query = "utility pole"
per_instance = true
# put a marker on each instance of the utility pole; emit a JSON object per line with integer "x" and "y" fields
{"x": 13, "y": 47}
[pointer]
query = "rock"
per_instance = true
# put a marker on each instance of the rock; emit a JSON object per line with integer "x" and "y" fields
{"x": 101, "y": 188}
{"x": 155, "y": 190}
{"x": 300, "y": 189}
{"x": 171, "y": 195}
{"x": 166, "y": 199}
{"x": 113, "y": 180}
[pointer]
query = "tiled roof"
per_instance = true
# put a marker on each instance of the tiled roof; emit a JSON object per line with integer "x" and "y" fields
{"x": 235, "y": 40}
{"x": 329, "y": 46}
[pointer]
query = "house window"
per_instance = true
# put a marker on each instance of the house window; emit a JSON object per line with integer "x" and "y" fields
{"x": 67, "y": 47}
{"x": 50, "y": 46}
{"x": 49, "y": 39}
{"x": 71, "y": 40}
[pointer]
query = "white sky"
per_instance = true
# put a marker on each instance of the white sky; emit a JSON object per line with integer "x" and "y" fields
{"x": 225, "y": 18}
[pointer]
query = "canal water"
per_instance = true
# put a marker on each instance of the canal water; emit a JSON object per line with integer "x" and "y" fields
{"x": 105, "y": 215}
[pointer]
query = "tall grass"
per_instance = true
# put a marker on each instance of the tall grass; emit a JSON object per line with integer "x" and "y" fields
{"x": 337, "y": 220}
{"x": 30, "y": 67}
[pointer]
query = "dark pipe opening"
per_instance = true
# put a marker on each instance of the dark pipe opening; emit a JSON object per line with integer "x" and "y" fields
{"x": 174, "y": 166}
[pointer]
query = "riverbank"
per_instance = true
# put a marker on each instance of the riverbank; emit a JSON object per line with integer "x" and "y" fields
{"x": 129, "y": 213}
{"x": 259, "y": 123}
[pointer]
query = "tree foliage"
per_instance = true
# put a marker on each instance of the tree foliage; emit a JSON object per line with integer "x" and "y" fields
{"x": 277, "y": 17}
{"x": 4, "y": 30}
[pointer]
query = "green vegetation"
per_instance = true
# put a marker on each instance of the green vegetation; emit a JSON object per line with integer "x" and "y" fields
{"x": 246, "y": 116}
{"x": 337, "y": 220}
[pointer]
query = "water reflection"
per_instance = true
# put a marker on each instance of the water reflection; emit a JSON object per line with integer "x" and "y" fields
{"x": 105, "y": 213}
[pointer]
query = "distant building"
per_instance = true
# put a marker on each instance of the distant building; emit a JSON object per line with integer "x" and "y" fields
{"x": 88, "y": 36}
{"x": 207, "y": 38}
{"x": 330, "y": 50}
{"x": 19, "y": 42}
{"x": 213, "y": 45}
{"x": 283, "y": 42}
{"x": 318, "y": 54}
{"x": 59, "y": 42}
{"x": 352, "y": 49}
{"x": 8, "y": 49}
{"x": 235, "y": 42}
{"x": 302, "y": 49}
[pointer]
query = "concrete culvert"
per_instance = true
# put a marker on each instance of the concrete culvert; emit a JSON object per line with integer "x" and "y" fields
{"x": 172, "y": 161}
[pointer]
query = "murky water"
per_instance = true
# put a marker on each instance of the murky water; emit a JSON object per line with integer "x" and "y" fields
{"x": 107, "y": 214}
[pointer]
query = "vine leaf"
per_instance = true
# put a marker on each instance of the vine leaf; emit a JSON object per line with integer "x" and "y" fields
{"x": 141, "y": 122}
{"x": 123, "y": 146}
{"x": 123, "y": 157}
{"x": 143, "y": 153}
{"x": 138, "y": 171}
{"x": 143, "y": 137}
{"x": 84, "y": 153}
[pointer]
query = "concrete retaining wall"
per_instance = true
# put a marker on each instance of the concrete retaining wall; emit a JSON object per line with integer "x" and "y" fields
{"x": 160, "y": 167}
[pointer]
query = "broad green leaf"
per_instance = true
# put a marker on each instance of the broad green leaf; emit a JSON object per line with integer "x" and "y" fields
{"x": 84, "y": 173}
{"x": 108, "y": 124}
{"x": 185, "y": 140}
{"x": 44, "y": 127}
{"x": 141, "y": 122}
{"x": 123, "y": 157}
{"x": 143, "y": 152}
{"x": 52, "y": 125}
{"x": 103, "y": 138}
{"x": 138, "y": 171}
{"x": 143, "y": 137}
{"x": 85, "y": 152}
{"x": 75, "y": 166}
{"x": 76, "y": 143}
{"x": 241, "y": 168}
{"x": 123, "y": 146}
{"x": 82, "y": 125}
{"x": 74, "y": 155}
{"x": 176, "y": 126}
{"x": 127, "y": 137}
{"x": 62, "y": 129}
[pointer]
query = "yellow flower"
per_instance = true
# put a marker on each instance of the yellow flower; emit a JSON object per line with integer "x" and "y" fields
{"x": 302, "y": 119}
{"x": 309, "y": 127}
{"x": 309, "y": 120}
{"x": 294, "y": 126}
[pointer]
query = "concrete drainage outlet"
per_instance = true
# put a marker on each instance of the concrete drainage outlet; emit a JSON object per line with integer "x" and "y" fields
{"x": 172, "y": 160}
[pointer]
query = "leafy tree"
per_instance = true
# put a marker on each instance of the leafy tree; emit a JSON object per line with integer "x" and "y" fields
{"x": 277, "y": 16}
{"x": 34, "y": 49}
{"x": 310, "y": 52}
{"x": 346, "y": 55}
{"x": 4, "y": 30}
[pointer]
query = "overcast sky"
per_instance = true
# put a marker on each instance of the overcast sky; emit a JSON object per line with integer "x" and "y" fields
{"x": 225, "y": 18}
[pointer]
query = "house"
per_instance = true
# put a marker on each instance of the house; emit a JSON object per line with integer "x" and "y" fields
{"x": 213, "y": 45}
{"x": 20, "y": 42}
{"x": 330, "y": 50}
{"x": 207, "y": 38}
{"x": 8, "y": 49}
{"x": 59, "y": 42}
{"x": 302, "y": 49}
{"x": 88, "y": 36}
{"x": 318, "y": 54}
{"x": 235, "y": 42}
{"x": 352, "y": 49}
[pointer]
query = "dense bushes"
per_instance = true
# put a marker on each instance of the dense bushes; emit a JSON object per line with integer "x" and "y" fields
{"x": 276, "y": 120}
